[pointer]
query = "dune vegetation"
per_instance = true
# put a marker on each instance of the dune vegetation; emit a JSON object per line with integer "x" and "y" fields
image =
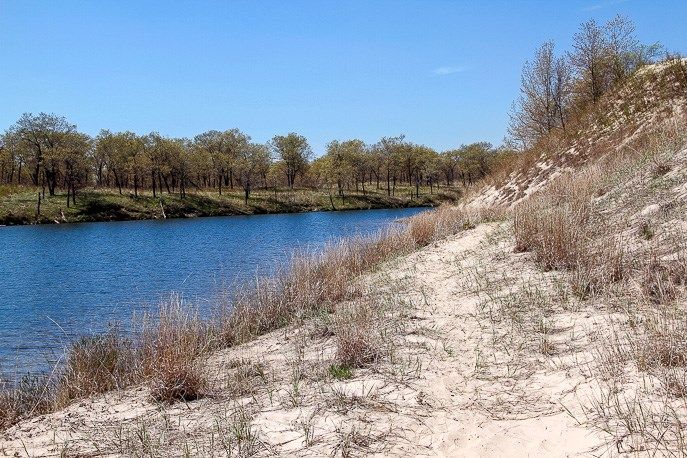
{"x": 544, "y": 314}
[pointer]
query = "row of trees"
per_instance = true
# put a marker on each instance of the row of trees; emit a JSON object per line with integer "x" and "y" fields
{"x": 555, "y": 88}
{"x": 351, "y": 164}
{"x": 47, "y": 151}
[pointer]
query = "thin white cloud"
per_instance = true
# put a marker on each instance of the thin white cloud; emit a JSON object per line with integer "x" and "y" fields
{"x": 448, "y": 70}
{"x": 603, "y": 4}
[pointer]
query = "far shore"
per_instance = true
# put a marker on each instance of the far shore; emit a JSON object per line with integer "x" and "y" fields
{"x": 20, "y": 205}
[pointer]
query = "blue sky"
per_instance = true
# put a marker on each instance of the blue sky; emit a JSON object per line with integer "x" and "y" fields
{"x": 441, "y": 72}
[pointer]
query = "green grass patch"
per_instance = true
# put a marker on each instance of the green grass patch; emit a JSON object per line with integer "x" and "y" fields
{"x": 340, "y": 372}
{"x": 19, "y": 204}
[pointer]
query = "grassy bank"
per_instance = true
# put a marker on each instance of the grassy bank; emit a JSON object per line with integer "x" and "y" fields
{"x": 19, "y": 205}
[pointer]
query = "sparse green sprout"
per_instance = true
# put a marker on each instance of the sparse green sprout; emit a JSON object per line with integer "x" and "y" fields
{"x": 340, "y": 372}
{"x": 646, "y": 231}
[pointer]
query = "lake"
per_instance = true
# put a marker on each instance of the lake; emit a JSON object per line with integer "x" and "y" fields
{"x": 58, "y": 282}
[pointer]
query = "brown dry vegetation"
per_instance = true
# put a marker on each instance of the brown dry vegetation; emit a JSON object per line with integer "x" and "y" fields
{"x": 654, "y": 94}
{"x": 617, "y": 226}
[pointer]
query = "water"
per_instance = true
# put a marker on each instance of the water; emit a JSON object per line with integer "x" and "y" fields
{"x": 61, "y": 281}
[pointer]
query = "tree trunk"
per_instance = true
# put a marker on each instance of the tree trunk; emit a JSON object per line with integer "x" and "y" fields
{"x": 38, "y": 208}
{"x": 164, "y": 178}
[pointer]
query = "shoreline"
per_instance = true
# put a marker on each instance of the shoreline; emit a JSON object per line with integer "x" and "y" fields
{"x": 94, "y": 206}
{"x": 331, "y": 275}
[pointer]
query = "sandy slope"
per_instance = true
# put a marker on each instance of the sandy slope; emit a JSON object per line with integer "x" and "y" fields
{"x": 468, "y": 378}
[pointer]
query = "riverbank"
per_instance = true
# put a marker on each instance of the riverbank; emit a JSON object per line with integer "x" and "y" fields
{"x": 554, "y": 328}
{"x": 419, "y": 358}
{"x": 168, "y": 347}
{"x": 198, "y": 259}
{"x": 19, "y": 205}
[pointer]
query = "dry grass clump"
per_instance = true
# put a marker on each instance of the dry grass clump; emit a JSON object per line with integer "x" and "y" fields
{"x": 95, "y": 365}
{"x": 243, "y": 377}
{"x": 429, "y": 227}
{"x": 177, "y": 382}
{"x": 554, "y": 223}
{"x": 560, "y": 226}
{"x": 92, "y": 365}
{"x": 639, "y": 424}
{"x": 360, "y": 334}
{"x": 662, "y": 341}
{"x": 646, "y": 410}
{"x": 32, "y": 395}
{"x": 169, "y": 347}
{"x": 676, "y": 68}
{"x": 661, "y": 279}
{"x": 311, "y": 283}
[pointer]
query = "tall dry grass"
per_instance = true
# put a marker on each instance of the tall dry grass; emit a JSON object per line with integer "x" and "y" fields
{"x": 168, "y": 348}
{"x": 163, "y": 350}
{"x": 563, "y": 230}
{"x": 586, "y": 223}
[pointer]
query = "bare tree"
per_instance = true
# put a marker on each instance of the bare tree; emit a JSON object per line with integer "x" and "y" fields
{"x": 589, "y": 59}
{"x": 605, "y": 56}
{"x": 625, "y": 53}
{"x": 544, "y": 94}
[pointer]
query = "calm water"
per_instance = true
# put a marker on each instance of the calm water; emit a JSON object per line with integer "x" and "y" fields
{"x": 61, "y": 281}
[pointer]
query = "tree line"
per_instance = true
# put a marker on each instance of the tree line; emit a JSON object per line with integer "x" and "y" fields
{"x": 48, "y": 152}
{"x": 555, "y": 88}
